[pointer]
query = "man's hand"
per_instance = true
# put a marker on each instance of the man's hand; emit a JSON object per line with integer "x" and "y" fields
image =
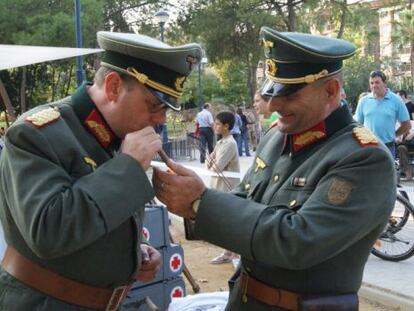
{"x": 178, "y": 189}
{"x": 150, "y": 263}
{"x": 142, "y": 145}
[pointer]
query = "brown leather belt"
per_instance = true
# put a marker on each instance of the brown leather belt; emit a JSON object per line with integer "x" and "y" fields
{"x": 57, "y": 286}
{"x": 267, "y": 294}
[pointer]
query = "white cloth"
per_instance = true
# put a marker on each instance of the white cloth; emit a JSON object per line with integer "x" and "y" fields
{"x": 215, "y": 301}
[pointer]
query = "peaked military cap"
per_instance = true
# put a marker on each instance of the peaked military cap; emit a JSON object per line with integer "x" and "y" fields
{"x": 293, "y": 60}
{"x": 159, "y": 66}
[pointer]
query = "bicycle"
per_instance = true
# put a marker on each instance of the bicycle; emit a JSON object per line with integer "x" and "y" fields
{"x": 396, "y": 242}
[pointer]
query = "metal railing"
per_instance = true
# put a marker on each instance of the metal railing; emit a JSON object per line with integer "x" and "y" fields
{"x": 182, "y": 148}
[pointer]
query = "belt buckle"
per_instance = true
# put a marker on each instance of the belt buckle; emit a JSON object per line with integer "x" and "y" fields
{"x": 117, "y": 297}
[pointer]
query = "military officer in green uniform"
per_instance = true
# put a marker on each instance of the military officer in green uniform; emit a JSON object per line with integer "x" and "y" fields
{"x": 73, "y": 182}
{"x": 321, "y": 188}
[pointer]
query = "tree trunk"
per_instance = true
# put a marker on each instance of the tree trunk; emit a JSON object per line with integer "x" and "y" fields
{"x": 69, "y": 79}
{"x": 343, "y": 19}
{"x": 53, "y": 84}
{"x": 23, "y": 91}
{"x": 6, "y": 101}
{"x": 291, "y": 15}
{"x": 251, "y": 76}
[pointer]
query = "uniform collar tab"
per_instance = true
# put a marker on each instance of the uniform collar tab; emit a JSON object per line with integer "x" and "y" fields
{"x": 308, "y": 137}
{"x": 94, "y": 122}
{"x": 337, "y": 120}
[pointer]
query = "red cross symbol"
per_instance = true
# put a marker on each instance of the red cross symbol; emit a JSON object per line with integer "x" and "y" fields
{"x": 177, "y": 292}
{"x": 175, "y": 262}
{"x": 146, "y": 233}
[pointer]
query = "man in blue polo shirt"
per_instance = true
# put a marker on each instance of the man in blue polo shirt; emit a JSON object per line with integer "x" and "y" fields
{"x": 380, "y": 110}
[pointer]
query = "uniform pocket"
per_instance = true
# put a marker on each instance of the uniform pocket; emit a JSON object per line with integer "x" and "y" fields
{"x": 292, "y": 197}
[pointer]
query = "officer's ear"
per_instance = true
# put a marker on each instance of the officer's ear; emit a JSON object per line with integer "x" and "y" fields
{"x": 112, "y": 85}
{"x": 332, "y": 88}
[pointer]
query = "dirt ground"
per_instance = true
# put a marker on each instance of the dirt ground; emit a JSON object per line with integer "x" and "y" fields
{"x": 212, "y": 278}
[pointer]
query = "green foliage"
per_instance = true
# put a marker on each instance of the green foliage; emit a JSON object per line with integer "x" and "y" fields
{"x": 52, "y": 23}
{"x": 229, "y": 30}
{"x": 224, "y": 84}
{"x": 356, "y": 72}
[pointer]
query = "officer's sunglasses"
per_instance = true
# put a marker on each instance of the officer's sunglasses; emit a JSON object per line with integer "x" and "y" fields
{"x": 156, "y": 104}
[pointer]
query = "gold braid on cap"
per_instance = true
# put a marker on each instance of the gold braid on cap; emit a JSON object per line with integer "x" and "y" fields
{"x": 142, "y": 78}
{"x": 306, "y": 79}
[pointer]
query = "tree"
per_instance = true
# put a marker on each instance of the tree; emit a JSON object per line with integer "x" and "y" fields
{"x": 52, "y": 23}
{"x": 229, "y": 30}
{"x": 287, "y": 10}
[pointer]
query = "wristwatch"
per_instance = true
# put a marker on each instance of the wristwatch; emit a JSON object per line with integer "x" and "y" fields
{"x": 195, "y": 206}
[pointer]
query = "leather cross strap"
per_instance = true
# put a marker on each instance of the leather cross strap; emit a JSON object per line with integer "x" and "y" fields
{"x": 57, "y": 286}
{"x": 267, "y": 294}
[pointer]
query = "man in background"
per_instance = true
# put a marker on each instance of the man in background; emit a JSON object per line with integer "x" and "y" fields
{"x": 236, "y": 131}
{"x": 244, "y": 132}
{"x": 380, "y": 111}
{"x": 409, "y": 104}
{"x": 205, "y": 124}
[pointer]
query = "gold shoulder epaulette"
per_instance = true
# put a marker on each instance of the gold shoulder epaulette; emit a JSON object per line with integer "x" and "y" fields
{"x": 364, "y": 136}
{"x": 43, "y": 117}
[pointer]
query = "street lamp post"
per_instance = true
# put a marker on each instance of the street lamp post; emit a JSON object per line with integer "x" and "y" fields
{"x": 200, "y": 86}
{"x": 79, "y": 62}
{"x": 161, "y": 17}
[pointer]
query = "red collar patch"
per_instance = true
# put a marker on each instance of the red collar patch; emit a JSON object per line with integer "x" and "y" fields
{"x": 309, "y": 136}
{"x": 98, "y": 127}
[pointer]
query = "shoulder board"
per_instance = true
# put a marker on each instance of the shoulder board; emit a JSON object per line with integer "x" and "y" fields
{"x": 43, "y": 117}
{"x": 364, "y": 136}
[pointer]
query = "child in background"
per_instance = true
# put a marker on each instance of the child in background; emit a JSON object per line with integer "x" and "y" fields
{"x": 225, "y": 157}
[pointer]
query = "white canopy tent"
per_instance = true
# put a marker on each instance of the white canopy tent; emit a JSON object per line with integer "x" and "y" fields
{"x": 12, "y": 56}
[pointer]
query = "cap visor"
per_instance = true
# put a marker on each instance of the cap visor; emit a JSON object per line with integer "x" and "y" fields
{"x": 170, "y": 101}
{"x": 273, "y": 89}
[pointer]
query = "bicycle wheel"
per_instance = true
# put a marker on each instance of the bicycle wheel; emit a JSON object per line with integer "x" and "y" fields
{"x": 396, "y": 242}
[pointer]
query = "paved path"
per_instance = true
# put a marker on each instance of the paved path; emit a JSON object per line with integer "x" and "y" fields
{"x": 389, "y": 283}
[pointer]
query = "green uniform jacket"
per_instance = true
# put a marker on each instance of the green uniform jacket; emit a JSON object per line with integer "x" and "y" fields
{"x": 62, "y": 212}
{"x": 304, "y": 220}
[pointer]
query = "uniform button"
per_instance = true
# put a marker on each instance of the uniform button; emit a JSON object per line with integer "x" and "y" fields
{"x": 248, "y": 269}
{"x": 276, "y": 178}
{"x": 292, "y": 203}
{"x": 247, "y": 187}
